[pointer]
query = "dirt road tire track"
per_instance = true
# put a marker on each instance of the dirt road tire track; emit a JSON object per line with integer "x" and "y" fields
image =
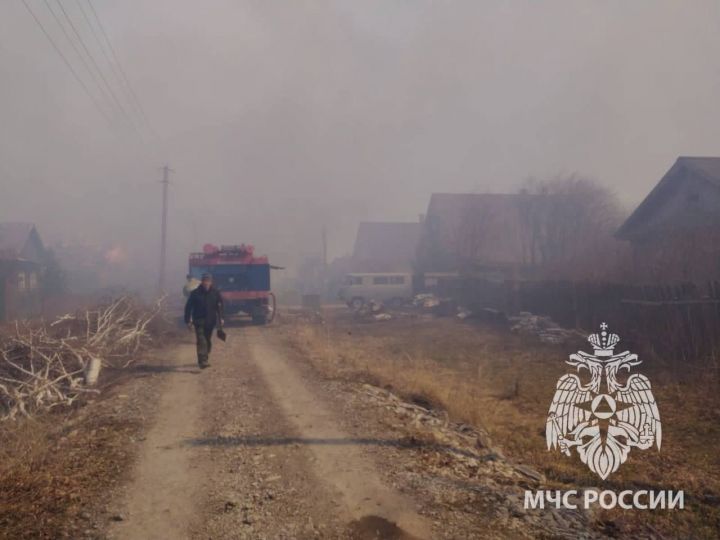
{"x": 159, "y": 501}
{"x": 366, "y": 499}
{"x": 246, "y": 449}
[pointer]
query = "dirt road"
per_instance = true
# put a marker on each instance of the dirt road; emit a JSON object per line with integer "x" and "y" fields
{"x": 261, "y": 445}
{"x": 159, "y": 502}
{"x": 247, "y": 448}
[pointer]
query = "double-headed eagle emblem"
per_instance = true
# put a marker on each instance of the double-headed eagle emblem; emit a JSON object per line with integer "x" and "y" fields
{"x": 604, "y": 418}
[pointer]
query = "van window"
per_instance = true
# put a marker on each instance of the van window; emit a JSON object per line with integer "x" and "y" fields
{"x": 397, "y": 280}
{"x": 353, "y": 280}
{"x": 380, "y": 280}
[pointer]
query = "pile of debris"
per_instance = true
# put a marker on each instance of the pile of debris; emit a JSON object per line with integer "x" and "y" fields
{"x": 372, "y": 311}
{"x": 464, "y": 441}
{"x": 541, "y": 326}
{"x": 426, "y": 300}
{"x": 462, "y": 454}
{"x": 44, "y": 366}
{"x": 440, "y": 307}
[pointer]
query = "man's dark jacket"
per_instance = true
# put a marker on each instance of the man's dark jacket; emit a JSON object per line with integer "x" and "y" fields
{"x": 204, "y": 305}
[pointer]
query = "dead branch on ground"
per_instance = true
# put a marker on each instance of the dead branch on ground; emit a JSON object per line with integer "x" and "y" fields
{"x": 45, "y": 366}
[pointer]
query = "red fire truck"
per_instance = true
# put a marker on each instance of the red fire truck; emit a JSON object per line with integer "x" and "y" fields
{"x": 243, "y": 278}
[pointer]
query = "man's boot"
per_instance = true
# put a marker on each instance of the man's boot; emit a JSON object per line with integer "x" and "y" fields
{"x": 203, "y": 362}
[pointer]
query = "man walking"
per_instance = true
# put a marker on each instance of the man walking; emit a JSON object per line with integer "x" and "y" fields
{"x": 203, "y": 310}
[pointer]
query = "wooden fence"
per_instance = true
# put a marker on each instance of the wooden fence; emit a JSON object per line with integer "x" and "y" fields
{"x": 679, "y": 322}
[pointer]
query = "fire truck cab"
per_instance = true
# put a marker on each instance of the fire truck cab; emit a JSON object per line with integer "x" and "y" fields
{"x": 243, "y": 279}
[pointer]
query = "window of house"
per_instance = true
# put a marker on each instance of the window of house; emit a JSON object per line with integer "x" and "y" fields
{"x": 397, "y": 280}
{"x": 380, "y": 280}
{"x": 21, "y": 281}
{"x": 33, "y": 281}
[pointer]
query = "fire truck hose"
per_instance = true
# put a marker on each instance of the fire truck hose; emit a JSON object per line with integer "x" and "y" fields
{"x": 274, "y": 307}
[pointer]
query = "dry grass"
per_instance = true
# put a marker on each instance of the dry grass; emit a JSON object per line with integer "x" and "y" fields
{"x": 50, "y": 474}
{"x": 56, "y": 467}
{"x": 504, "y": 383}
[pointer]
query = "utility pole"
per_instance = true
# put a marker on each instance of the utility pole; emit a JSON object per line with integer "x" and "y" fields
{"x": 324, "y": 277}
{"x": 163, "y": 231}
{"x": 324, "y": 245}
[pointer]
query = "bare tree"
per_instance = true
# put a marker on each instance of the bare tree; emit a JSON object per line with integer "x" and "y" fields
{"x": 570, "y": 222}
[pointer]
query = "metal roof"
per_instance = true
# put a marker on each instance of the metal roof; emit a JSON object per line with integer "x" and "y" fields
{"x": 13, "y": 239}
{"x": 707, "y": 168}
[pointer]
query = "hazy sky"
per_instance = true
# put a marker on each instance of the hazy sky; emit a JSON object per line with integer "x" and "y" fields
{"x": 281, "y": 116}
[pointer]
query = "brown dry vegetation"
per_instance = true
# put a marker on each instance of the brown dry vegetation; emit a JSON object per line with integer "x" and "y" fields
{"x": 504, "y": 383}
{"x": 54, "y": 470}
{"x": 57, "y": 465}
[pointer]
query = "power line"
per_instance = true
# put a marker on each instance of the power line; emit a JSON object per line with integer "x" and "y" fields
{"x": 119, "y": 65}
{"x": 103, "y": 92}
{"x": 95, "y": 64}
{"x": 113, "y": 68}
{"x": 67, "y": 64}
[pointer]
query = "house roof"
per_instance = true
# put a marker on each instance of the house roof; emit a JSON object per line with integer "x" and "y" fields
{"x": 386, "y": 246}
{"x": 19, "y": 241}
{"x": 705, "y": 168}
{"x": 709, "y": 167}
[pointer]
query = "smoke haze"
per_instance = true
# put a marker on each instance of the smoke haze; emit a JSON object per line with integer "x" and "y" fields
{"x": 280, "y": 118}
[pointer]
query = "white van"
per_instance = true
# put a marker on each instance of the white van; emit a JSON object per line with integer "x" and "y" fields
{"x": 389, "y": 288}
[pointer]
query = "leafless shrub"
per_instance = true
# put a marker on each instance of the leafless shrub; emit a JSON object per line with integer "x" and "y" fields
{"x": 45, "y": 366}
